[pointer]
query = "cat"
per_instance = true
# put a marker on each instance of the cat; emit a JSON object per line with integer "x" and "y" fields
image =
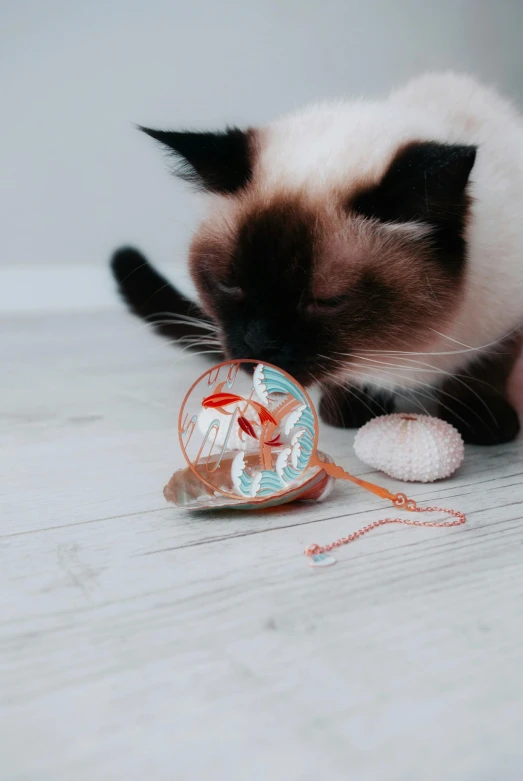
{"x": 372, "y": 247}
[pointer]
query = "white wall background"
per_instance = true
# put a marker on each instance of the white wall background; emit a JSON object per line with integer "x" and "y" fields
{"x": 76, "y": 179}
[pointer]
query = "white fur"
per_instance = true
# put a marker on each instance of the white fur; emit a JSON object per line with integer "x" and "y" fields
{"x": 326, "y": 146}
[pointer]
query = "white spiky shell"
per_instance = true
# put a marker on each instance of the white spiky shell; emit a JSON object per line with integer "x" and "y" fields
{"x": 415, "y": 448}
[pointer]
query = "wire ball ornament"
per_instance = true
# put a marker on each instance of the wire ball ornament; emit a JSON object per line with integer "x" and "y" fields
{"x": 249, "y": 431}
{"x": 249, "y": 434}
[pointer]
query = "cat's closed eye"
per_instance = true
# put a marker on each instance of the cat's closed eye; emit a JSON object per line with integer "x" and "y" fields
{"x": 325, "y": 306}
{"x": 235, "y": 292}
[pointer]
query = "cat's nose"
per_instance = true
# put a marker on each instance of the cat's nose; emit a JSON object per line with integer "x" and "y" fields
{"x": 261, "y": 347}
{"x": 257, "y": 338}
{"x": 260, "y": 343}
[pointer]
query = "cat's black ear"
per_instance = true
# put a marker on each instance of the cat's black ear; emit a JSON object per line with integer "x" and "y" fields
{"x": 425, "y": 181}
{"x": 217, "y": 162}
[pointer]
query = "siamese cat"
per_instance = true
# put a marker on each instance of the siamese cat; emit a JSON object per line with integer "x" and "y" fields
{"x": 374, "y": 248}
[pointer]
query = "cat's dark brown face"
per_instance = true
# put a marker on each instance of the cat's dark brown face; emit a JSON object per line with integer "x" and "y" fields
{"x": 310, "y": 281}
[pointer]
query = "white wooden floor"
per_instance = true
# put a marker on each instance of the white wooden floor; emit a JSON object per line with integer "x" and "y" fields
{"x": 141, "y": 642}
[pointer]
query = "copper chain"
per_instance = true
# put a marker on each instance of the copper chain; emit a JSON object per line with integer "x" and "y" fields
{"x": 402, "y": 502}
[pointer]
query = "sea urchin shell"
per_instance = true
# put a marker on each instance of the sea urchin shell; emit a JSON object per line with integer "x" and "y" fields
{"x": 415, "y": 448}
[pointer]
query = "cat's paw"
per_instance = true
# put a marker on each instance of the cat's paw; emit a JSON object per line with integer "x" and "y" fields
{"x": 482, "y": 419}
{"x": 350, "y": 407}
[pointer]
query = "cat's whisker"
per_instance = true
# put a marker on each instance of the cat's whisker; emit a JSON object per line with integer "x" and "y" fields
{"x": 450, "y": 339}
{"x": 501, "y": 340}
{"x": 443, "y": 373}
{"x": 333, "y": 400}
{"x": 413, "y": 399}
{"x": 196, "y": 354}
{"x": 352, "y": 393}
{"x": 195, "y": 328}
{"x": 155, "y": 293}
{"x": 435, "y": 394}
{"x": 426, "y": 352}
{"x": 191, "y": 343}
{"x": 422, "y": 353}
{"x": 435, "y": 369}
{"x": 198, "y": 340}
{"x": 188, "y": 319}
{"x": 340, "y": 383}
{"x": 177, "y": 319}
{"x": 384, "y": 368}
{"x": 399, "y": 367}
{"x": 192, "y": 348}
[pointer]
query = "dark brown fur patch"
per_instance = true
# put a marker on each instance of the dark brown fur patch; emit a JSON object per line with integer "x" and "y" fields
{"x": 220, "y": 162}
{"x": 269, "y": 256}
{"x": 322, "y": 280}
{"x": 376, "y": 287}
{"x": 476, "y": 402}
{"x": 425, "y": 182}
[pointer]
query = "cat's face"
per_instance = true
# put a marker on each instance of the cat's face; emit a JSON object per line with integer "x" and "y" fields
{"x": 320, "y": 280}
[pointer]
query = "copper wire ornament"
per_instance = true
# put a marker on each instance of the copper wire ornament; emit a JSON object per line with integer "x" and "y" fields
{"x": 249, "y": 434}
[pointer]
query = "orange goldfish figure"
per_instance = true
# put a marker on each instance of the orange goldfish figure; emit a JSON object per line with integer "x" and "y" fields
{"x": 219, "y": 401}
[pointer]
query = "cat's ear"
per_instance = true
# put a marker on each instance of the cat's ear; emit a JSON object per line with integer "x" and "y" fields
{"x": 425, "y": 181}
{"x": 216, "y": 162}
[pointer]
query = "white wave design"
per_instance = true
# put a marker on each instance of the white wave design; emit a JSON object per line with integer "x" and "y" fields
{"x": 237, "y": 469}
{"x": 258, "y": 381}
{"x": 293, "y": 417}
{"x": 282, "y": 461}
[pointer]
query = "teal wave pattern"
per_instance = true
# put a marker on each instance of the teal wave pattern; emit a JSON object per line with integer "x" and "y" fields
{"x": 306, "y": 448}
{"x": 275, "y": 382}
{"x": 270, "y": 483}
